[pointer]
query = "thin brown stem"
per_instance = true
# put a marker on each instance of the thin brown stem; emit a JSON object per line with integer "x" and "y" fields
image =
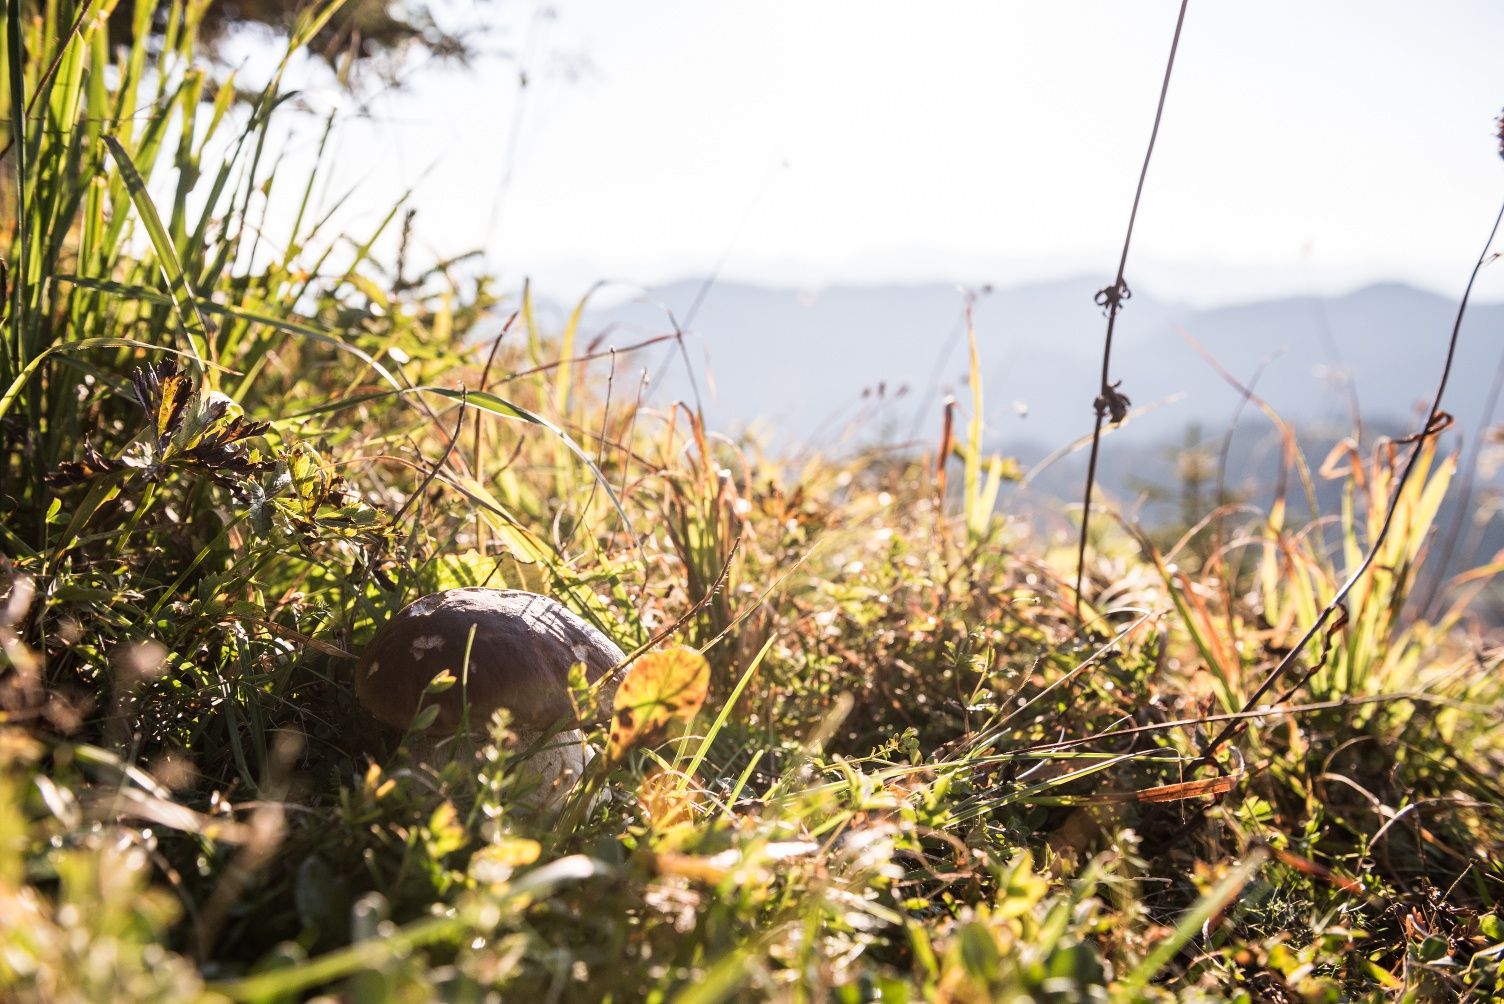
{"x": 1109, "y": 400}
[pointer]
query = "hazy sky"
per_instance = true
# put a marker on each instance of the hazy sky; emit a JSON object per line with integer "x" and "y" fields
{"x": 1306, "y": 145}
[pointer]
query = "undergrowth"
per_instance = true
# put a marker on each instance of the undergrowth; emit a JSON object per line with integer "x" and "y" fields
{"x": 229, "y": 454}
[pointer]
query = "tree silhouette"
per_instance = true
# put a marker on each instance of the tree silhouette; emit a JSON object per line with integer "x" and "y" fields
{"x": 368, "y": 30}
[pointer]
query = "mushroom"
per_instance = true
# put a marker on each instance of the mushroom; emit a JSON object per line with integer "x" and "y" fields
{"x": 520, "y": 655}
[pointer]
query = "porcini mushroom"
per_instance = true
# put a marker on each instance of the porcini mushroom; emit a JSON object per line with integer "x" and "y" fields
{"x": 519, "y": 658}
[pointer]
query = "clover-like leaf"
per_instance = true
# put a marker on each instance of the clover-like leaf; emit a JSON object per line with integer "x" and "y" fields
{"x": 660, "y": 688}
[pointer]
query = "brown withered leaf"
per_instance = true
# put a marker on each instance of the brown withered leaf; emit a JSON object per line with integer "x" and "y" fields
{"x": 221, "y": 448}
{"x": 1313, "y": 870}
{"x": 1178, "y": 792}
{"x": 163, "y": 392}
{"x": 1188, "y": 789}
{"x": 660, "y": 688}
{"x": 76, "y": 472}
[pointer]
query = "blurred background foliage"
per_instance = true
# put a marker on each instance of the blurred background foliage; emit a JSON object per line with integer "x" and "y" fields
{"x": 378, "y": 32}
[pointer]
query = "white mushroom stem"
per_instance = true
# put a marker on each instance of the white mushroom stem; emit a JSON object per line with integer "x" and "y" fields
{"x": 551, "y": 767}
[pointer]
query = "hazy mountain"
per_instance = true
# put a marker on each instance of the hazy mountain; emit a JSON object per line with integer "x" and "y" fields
{"x": 808, "y": 364}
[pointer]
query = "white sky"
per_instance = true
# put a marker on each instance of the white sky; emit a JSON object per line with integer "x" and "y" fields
{"x": 1306, "y": 145}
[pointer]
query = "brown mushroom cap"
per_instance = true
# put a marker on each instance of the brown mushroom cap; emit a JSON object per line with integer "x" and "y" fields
{"x": 520, "y": 659}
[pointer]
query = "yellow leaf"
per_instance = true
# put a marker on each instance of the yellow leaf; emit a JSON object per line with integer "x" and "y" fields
{"x": 443, "y": 817}
{"x": 695, "y": 867}
{"x": 660, "y": 688}
{"x": 495, "y": 864}
{"x": 665, "y": 802}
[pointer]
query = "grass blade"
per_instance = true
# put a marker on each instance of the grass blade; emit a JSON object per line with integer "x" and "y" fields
{"x": 720, "y": 719}
{"x": 291, "y": 327}
{"x": 195, "y": 326}
{"x": 500, "y": 406}
{"x": 16, "y": 56}
{"x": 64, "y": 348}
{"x": 1213, "y": 903}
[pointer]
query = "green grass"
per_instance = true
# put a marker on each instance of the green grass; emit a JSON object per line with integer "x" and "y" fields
{"x": 224, "y": 460}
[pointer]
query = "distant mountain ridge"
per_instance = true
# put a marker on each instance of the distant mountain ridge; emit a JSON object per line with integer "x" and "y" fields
{"x": 809, "y": 365}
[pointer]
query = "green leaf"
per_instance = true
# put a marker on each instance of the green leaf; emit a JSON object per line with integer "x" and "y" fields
{"x": 316, "y": 893}
{"x": 424, "y": 718}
